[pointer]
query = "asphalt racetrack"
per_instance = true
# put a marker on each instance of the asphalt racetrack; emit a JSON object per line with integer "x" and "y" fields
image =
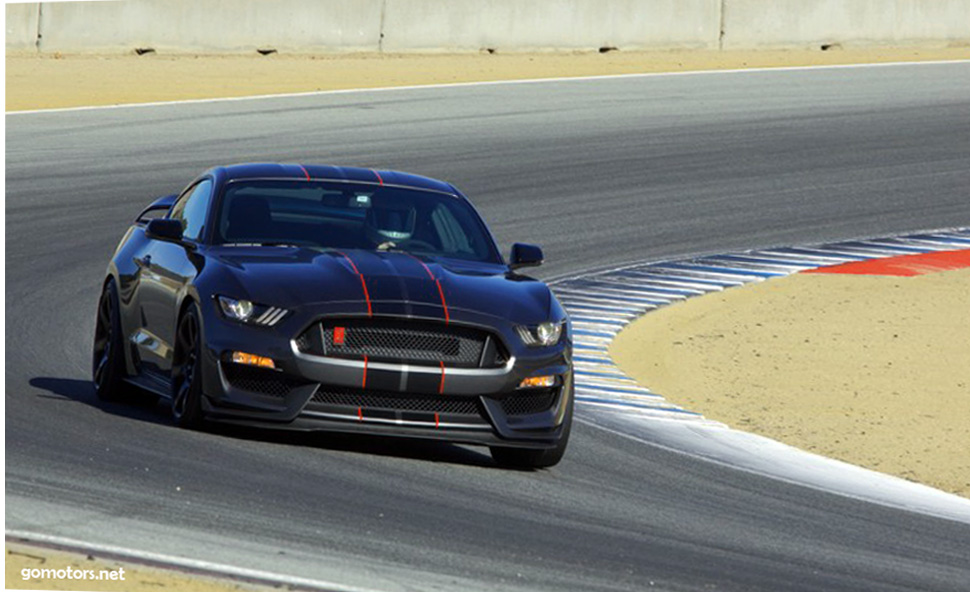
{"x": 598, "y": 172}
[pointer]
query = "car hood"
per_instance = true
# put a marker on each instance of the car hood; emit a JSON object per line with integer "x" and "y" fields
{"x": 293, "y": 277}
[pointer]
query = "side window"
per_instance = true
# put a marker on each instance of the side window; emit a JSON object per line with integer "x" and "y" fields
{"x": 453, "y": 233}
{"x": 192, "y": 209}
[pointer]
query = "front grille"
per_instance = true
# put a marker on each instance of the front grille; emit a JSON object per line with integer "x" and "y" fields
{"x": 386, "y": 342}
{"x": 417, "y": 342}
{"x": 303, "y": 342}
{"x": 529, "y": 402}
{"x": 259, "y": 380}
{"x": 391, "y": 401}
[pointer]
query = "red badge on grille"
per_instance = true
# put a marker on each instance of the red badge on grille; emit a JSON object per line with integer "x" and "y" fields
{"x": 338, "y": 335}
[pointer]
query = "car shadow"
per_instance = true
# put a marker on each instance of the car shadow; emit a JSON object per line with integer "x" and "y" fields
{"x": 82, "y": 391}
{"x": 157, "y": 412}
{"x": 428, "y": 450}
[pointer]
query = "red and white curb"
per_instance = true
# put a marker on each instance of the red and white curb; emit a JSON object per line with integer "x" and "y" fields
{"x": 602, "y": 304}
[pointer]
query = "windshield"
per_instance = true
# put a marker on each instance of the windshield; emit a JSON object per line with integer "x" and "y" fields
{"x": 352, "y": 216}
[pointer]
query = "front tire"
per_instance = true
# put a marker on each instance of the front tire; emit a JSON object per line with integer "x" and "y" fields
{"x": 526, "y": 458}
{"x": 108, "y": 354}
{"x": 187, "y": 372}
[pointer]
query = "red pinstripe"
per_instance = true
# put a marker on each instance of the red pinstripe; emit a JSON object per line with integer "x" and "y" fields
{"x": 423, "y": 264}
{"x": 363, "y": 284}
{"x": 443, "y": 303}
{"x": 437, "y": 282}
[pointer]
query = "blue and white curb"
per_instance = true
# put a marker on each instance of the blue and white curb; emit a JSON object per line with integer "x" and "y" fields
{"x": 602, "y": 304}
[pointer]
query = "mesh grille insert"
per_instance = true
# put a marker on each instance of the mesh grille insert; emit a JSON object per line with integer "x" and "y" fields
{"x": 396, "y": 342}
{"x": 303, "y": 342}
{"x": 351, "y": 397}
{"x": 259, "y": 380}
{"x": 419, "y": 342}
{"x": 526, "y": 403}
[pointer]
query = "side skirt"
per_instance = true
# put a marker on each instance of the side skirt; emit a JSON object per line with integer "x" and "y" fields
{"x": 153, "y": 383}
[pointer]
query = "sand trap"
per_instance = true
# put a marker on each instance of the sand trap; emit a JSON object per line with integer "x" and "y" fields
{"x": 49, "y": 81}
{"x": 871, "y": 370}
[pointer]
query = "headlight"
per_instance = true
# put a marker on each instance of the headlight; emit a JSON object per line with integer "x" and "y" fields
{"x": 544, "y": 335}
{"x": 239, "y": 310}
{"x": 245, "y": 311}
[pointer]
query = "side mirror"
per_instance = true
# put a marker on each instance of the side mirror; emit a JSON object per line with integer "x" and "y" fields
{"x": 164, "y": 229}
{"x": 525, "y": 255}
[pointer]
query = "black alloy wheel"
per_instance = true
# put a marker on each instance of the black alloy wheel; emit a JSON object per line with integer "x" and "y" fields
{"x": 186, "y": 372}
{"x": 108, "y": 360}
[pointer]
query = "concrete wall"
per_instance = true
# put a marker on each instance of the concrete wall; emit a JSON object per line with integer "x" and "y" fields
{"x": 210, "y": 25}
{"x": 811, "y": 23}
{"x": 542, "y": 24}
{"x": 21, "y": 26}
{"x": 472, "y": 25}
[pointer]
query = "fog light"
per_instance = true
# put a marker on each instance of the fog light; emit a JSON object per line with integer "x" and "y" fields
{"x": 538, "y": 382}
{"x": 252, "y": 360}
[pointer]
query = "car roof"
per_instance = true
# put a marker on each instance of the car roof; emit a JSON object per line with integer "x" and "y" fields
{"x": 238, "y": 172}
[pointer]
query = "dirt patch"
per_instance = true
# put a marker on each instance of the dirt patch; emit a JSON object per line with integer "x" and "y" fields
{"x": 871, "y": 370}
{"x": 23, "y": 559}
{"x": 42, "y": 81}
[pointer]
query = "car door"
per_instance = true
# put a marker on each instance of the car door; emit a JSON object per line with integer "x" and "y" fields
{"x": 168, "y": 267}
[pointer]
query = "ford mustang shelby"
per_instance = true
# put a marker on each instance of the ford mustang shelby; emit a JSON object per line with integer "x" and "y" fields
{"x": 336, "y": 298}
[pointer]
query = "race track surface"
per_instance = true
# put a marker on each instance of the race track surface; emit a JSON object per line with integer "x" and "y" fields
{"x": 598, "y": 172}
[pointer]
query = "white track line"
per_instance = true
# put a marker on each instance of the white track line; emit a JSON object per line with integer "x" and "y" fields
{"x": 320, "y": 93}
{"x": 849, "y": 480}
{"x": 197, "y": 565}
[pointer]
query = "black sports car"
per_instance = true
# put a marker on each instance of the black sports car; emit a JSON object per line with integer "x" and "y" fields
{"x": 336, "y": 298}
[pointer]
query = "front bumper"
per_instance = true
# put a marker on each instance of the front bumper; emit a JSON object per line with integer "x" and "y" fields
{"x": 314, "y": 392}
